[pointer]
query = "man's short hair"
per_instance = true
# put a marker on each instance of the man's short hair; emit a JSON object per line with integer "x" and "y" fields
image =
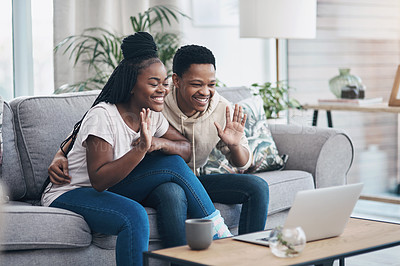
{"x": 191, "y": 54}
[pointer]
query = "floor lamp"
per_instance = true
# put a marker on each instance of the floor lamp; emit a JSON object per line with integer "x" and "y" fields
{"x": 279, "y": 19}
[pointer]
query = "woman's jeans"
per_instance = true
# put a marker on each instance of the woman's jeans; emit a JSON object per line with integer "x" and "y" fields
{"x": 117, "y": 212}
{"x": 109, "y": 213}
{"x": 249, "y": 190}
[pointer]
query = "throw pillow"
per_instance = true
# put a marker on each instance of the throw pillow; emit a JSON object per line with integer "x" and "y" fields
{"x": 265, "y": 154}
{"x": 217, "y": 164}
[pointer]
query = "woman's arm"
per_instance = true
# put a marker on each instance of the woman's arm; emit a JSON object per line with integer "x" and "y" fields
{"x": 103, "y": 170}
{"x": 172, "y": 142}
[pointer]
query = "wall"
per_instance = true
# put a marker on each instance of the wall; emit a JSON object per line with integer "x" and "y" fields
{"x": 240, "y": 62}
{"x": 361, "y": 35}
{"x": 73, "y": 16}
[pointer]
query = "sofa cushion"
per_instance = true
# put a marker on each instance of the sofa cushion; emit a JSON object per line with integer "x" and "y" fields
{"x": 283, "y": 186}
{"x": 11, "y": 168}
{"x": 234, "y": 94}
{"x": 37, "y": 227}
{"x": 42, "y": 123}
{"x": 265, "y": 154}
{"x": 217, "y": 163}
{"x": 108, "y": 242}
{"x": 231, "y": 214}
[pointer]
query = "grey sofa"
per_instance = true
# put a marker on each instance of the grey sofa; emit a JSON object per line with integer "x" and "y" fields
{"x": 33, "y": 128}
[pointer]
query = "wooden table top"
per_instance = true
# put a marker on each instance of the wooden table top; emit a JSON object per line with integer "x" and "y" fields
{"x": 360, "y": 236}
{"x": 379, "y": 107}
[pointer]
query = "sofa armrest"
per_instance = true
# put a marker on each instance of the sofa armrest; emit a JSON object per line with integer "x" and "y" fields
{"x": 326, "y": 153}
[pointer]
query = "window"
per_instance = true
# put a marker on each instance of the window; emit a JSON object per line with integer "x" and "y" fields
{"x": 29, "y": 57}
{"x": 42, "y": 41}
{"x": 6, "y": 64}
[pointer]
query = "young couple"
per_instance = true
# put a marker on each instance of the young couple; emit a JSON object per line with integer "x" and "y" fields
{"x": 131, "y": 149}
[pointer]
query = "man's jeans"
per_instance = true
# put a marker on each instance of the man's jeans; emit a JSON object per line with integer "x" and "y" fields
{"x": 117, "y": 212}
{"x": 172, "y": 210}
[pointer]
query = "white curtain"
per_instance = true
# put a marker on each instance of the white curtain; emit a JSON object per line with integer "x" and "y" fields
{"x": 73, "y": 16}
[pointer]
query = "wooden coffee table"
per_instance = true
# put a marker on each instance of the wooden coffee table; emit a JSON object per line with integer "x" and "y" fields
{"x": 360, "y": 236}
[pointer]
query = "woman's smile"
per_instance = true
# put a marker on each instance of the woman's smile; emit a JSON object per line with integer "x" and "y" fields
{"x": 158, "y": 99}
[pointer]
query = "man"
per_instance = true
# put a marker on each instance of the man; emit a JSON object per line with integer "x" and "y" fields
{"x": 199, "y": 113}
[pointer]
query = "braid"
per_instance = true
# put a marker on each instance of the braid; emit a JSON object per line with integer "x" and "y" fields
{"x": 123, "y": 79}
{"x": 71, "y": 137}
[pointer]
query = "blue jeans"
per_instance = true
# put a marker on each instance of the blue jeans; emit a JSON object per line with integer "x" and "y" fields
{"x": 118, "y": 212}
{"x": 109, "y": 213}
{"x": 171, "y": 205}
{"x": 156, "y": 169}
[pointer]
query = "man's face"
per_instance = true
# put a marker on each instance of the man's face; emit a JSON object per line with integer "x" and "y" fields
{"x": 195, "y": 88}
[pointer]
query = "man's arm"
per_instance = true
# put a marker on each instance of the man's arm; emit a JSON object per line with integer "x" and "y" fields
{"x": 239, "y": 155}
{"x": 172, "y": 142}
{"x": 58, "y": 169}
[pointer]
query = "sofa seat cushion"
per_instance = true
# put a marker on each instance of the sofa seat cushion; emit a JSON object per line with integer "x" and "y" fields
{"x": 230, "y": 213}
{"x": 283, "y": 186}
{"x": 37, "y": 227}
{"x": 109, "y": 241}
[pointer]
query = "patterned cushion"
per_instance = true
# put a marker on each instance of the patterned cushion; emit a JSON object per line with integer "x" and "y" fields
{"x": 217, "y": 164}
{"x": 265, "y": 154}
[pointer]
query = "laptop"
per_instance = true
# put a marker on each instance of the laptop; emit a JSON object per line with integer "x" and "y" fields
{"x": 321, "y": 213}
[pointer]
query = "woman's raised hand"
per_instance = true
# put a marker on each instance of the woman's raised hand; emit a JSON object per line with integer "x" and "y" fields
{"x": 145, "y": 132}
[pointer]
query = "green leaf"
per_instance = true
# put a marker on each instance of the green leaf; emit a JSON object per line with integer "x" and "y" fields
{"x": 275, "y": 97}
{"x": 99, "y": 49}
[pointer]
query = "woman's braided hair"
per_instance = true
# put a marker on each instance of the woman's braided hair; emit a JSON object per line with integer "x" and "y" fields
{"x": 139, "y": 51}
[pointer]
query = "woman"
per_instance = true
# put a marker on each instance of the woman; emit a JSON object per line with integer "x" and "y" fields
{"x": 111, "y": 160}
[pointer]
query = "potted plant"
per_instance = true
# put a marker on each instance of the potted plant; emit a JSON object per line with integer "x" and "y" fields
{"x": 276, "y": 98}
{"x": 100, "y": 50}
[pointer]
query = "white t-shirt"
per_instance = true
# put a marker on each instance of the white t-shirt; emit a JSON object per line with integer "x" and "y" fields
{"x": 103, "y": 121}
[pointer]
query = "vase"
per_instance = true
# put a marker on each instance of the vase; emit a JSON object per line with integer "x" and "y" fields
{"x": 287, "y": 242}
{"x": 342, "y": 80}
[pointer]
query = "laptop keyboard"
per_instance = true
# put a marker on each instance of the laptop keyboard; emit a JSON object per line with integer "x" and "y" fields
{"x": 266, "y": 239}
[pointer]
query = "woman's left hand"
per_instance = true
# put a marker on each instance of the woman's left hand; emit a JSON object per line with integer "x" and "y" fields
{"x": 234, "y": 128}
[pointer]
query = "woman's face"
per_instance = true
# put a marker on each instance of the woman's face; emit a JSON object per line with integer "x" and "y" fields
{"x": 151, "y": 87}
{"x": 195, "y": 88}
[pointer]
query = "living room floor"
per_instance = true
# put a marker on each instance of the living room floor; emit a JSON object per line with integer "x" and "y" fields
{"x": 382, "y": 212}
